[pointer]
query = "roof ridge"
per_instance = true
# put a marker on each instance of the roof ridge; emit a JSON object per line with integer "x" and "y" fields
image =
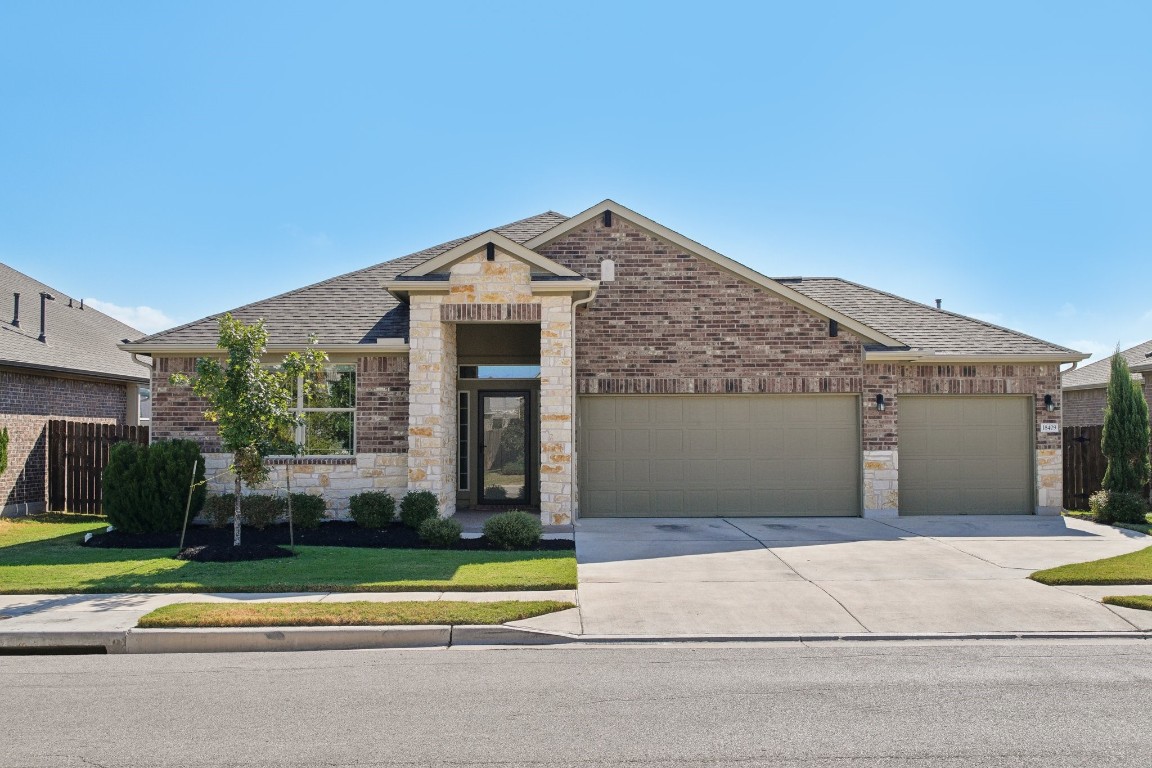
{"x": 944, "y": 311}
{"x": 59, "y": 294}
{"x": 446, "y": 244}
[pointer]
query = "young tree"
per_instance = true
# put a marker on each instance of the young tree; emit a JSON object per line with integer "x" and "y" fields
{"x": 251, "y": 402}
{"x": 1125, "y": 437}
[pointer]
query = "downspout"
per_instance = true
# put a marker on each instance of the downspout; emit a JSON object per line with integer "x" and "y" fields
{"x": 575, "y": 410}
{"x": 136, "y": 359}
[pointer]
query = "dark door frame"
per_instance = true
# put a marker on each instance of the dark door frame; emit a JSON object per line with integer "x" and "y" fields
{"x": 529, "y": 474}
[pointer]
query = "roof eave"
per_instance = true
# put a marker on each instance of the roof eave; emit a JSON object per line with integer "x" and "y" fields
{"x": 73, "y": 371}
{"x": 920, "y": 355}
{"x": 390, "y": 346}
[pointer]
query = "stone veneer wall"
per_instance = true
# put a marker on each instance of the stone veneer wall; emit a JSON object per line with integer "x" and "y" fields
{"x": 28, "y": 401}
{"x": 489, "y": 291}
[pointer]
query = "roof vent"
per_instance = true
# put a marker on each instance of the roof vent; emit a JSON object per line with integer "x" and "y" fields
{"x": 607, "y": 271}
{"x": 44, "y": 299}
{"x": 16, "y": 310}
{"x": 939, "y": 302}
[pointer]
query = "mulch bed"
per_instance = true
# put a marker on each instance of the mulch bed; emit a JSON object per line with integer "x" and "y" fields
{"x": 228, "y": 553}
{"x": 336, "y": 533}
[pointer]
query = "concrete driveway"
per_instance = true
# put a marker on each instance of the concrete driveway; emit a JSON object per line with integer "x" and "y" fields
{"x": 773, "y": 576}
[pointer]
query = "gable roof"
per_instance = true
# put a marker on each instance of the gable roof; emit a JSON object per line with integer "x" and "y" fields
{"x": 923, "y": 328}
{"x": 81, "y": 341}
{"x": 720, "y": 260}
{"x": 471, "y": 246}
{"x": 1097, "y": 374}
{"x": 352, "y": 308}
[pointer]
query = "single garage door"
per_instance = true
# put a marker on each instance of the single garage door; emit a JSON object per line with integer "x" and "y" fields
{"x": 719, "y": 455}
{"x": 965, "y": 455}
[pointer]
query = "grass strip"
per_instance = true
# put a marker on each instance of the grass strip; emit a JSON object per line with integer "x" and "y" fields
{"x": 359, "y": 613}
{"x": 1139, "y": 602}
{"x": 1132, "y": 568}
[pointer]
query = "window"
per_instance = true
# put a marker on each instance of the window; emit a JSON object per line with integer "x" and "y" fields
{"x": 462, "y": 437}
{"x": 499, "y": 371}
{"x": 144, "y": 405}
{"x": 328, "y": 413}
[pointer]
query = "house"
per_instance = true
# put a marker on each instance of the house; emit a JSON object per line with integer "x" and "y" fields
{"x": 605, "y": 365}
{"x": 58, "y": 360}
{"x": 1086, "y": 389}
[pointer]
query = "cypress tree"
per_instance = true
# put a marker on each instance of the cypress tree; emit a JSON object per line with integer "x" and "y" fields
{"x": 1125, "y": 438}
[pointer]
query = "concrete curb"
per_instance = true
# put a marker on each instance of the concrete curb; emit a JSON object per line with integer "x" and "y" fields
{"x": 263, "y": 639}
{"x": 240, "y": 640}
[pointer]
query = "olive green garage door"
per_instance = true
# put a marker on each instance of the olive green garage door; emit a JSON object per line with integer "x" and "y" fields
{"x": 965, "y": 455}
{"x": 719, "y": 455}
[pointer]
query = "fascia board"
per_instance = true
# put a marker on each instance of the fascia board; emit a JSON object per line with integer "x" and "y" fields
{"x": 510, "y": 247}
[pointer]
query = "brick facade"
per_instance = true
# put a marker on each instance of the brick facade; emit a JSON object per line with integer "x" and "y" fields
{"x": 672, "y": 322}
{"x": 382, "y": 404}
{"x": 1085, "y": 407}
{"x": 177, "y": 414}
{"x": 27, "y": 403}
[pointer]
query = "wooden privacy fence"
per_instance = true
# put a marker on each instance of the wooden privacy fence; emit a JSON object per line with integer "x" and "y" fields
{"x": 77, "y": 455}
{"x": 1084, "y": 465}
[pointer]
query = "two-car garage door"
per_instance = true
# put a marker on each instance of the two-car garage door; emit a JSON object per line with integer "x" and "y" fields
{"x": 719, "y": 455}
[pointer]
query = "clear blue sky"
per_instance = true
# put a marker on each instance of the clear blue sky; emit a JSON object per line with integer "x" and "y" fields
{"x": 191, "y": 157}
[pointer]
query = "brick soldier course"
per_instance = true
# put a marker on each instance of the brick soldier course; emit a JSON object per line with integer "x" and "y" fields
{"x": 624, "y": 306}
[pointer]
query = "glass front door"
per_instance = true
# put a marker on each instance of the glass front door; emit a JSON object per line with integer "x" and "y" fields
{"x": 505, "y": 443}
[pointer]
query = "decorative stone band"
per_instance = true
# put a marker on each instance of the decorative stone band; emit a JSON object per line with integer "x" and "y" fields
{"x": 301, "y": 461}
{"x": 523, "y": 313}
{"x": 756, "y": 385}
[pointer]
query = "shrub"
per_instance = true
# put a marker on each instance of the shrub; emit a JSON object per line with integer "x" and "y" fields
{"x": 495, "y": 492}
{"x": 372, "y": 509}
{"x": 3, "y": 450}
{"x": 307, "y": 510}
{"x": 260, "y": 510}
{"x": 418, "y": 506}
{"x": 1118, "y": 507}
{"x": 218, "y": 509}
{"x": 440, "y": 533}
{"x": 146, "y": 486}
{"x": 513, "y": 530}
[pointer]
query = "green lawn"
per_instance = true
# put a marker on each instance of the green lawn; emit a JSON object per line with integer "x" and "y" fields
{"x": 42, "y": 555}
{"x": 1140, "y": 602}
{"x": 1133, "y": 568}
{"x": 352, "y": 614}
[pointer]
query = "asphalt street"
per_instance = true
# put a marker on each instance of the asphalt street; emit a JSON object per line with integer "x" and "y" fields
{"x": 1011, "y": 703}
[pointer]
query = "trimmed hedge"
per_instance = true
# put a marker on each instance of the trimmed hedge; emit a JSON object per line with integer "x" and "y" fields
{"x": 418, "y": 506}
{"x": 307, "y": 511}
{"x": 372, "y": 509}
{"x": 146, "y": 486}
{"x": 440, "y": 533}
{"x": 514, "y": 530}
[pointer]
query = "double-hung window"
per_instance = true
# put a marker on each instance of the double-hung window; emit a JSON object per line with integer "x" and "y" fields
{"x": 328, "y": 413}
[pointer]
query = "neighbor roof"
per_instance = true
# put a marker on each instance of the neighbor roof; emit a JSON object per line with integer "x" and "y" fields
{"x": 350, "y": 309}
{"x": 1098, "y": 373}
{"x": 81, "y": 341}
{"x": 919, "y": 326}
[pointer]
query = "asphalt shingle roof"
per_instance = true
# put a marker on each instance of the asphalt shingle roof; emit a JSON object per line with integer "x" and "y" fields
{"x": 1098, "y": 373}
{"x": 917, "y": 325}
{"x": 77, "y": 340}
{"x": 349, "y": 309}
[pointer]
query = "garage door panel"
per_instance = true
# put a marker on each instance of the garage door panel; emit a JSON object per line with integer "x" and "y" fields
{"x": 602, "y": 440}
{"x": 965, "y": 454}
{"x": 722, "y": 455}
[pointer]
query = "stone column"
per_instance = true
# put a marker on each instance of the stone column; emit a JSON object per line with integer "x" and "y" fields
{"x": 432, "y": 402}
{"x": 557, "y": 411}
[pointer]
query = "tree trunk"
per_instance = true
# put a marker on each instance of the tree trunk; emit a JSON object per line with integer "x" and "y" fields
{"x": 236, "y": 516}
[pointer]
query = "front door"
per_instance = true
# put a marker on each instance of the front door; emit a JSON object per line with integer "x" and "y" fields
{"x": 504, "y": 447}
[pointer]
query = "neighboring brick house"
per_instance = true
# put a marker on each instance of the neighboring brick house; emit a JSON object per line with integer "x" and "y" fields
{"x": 58, "y": 360}
{"x": 604, "y": 365}
{"x": 1086, "y": 389}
